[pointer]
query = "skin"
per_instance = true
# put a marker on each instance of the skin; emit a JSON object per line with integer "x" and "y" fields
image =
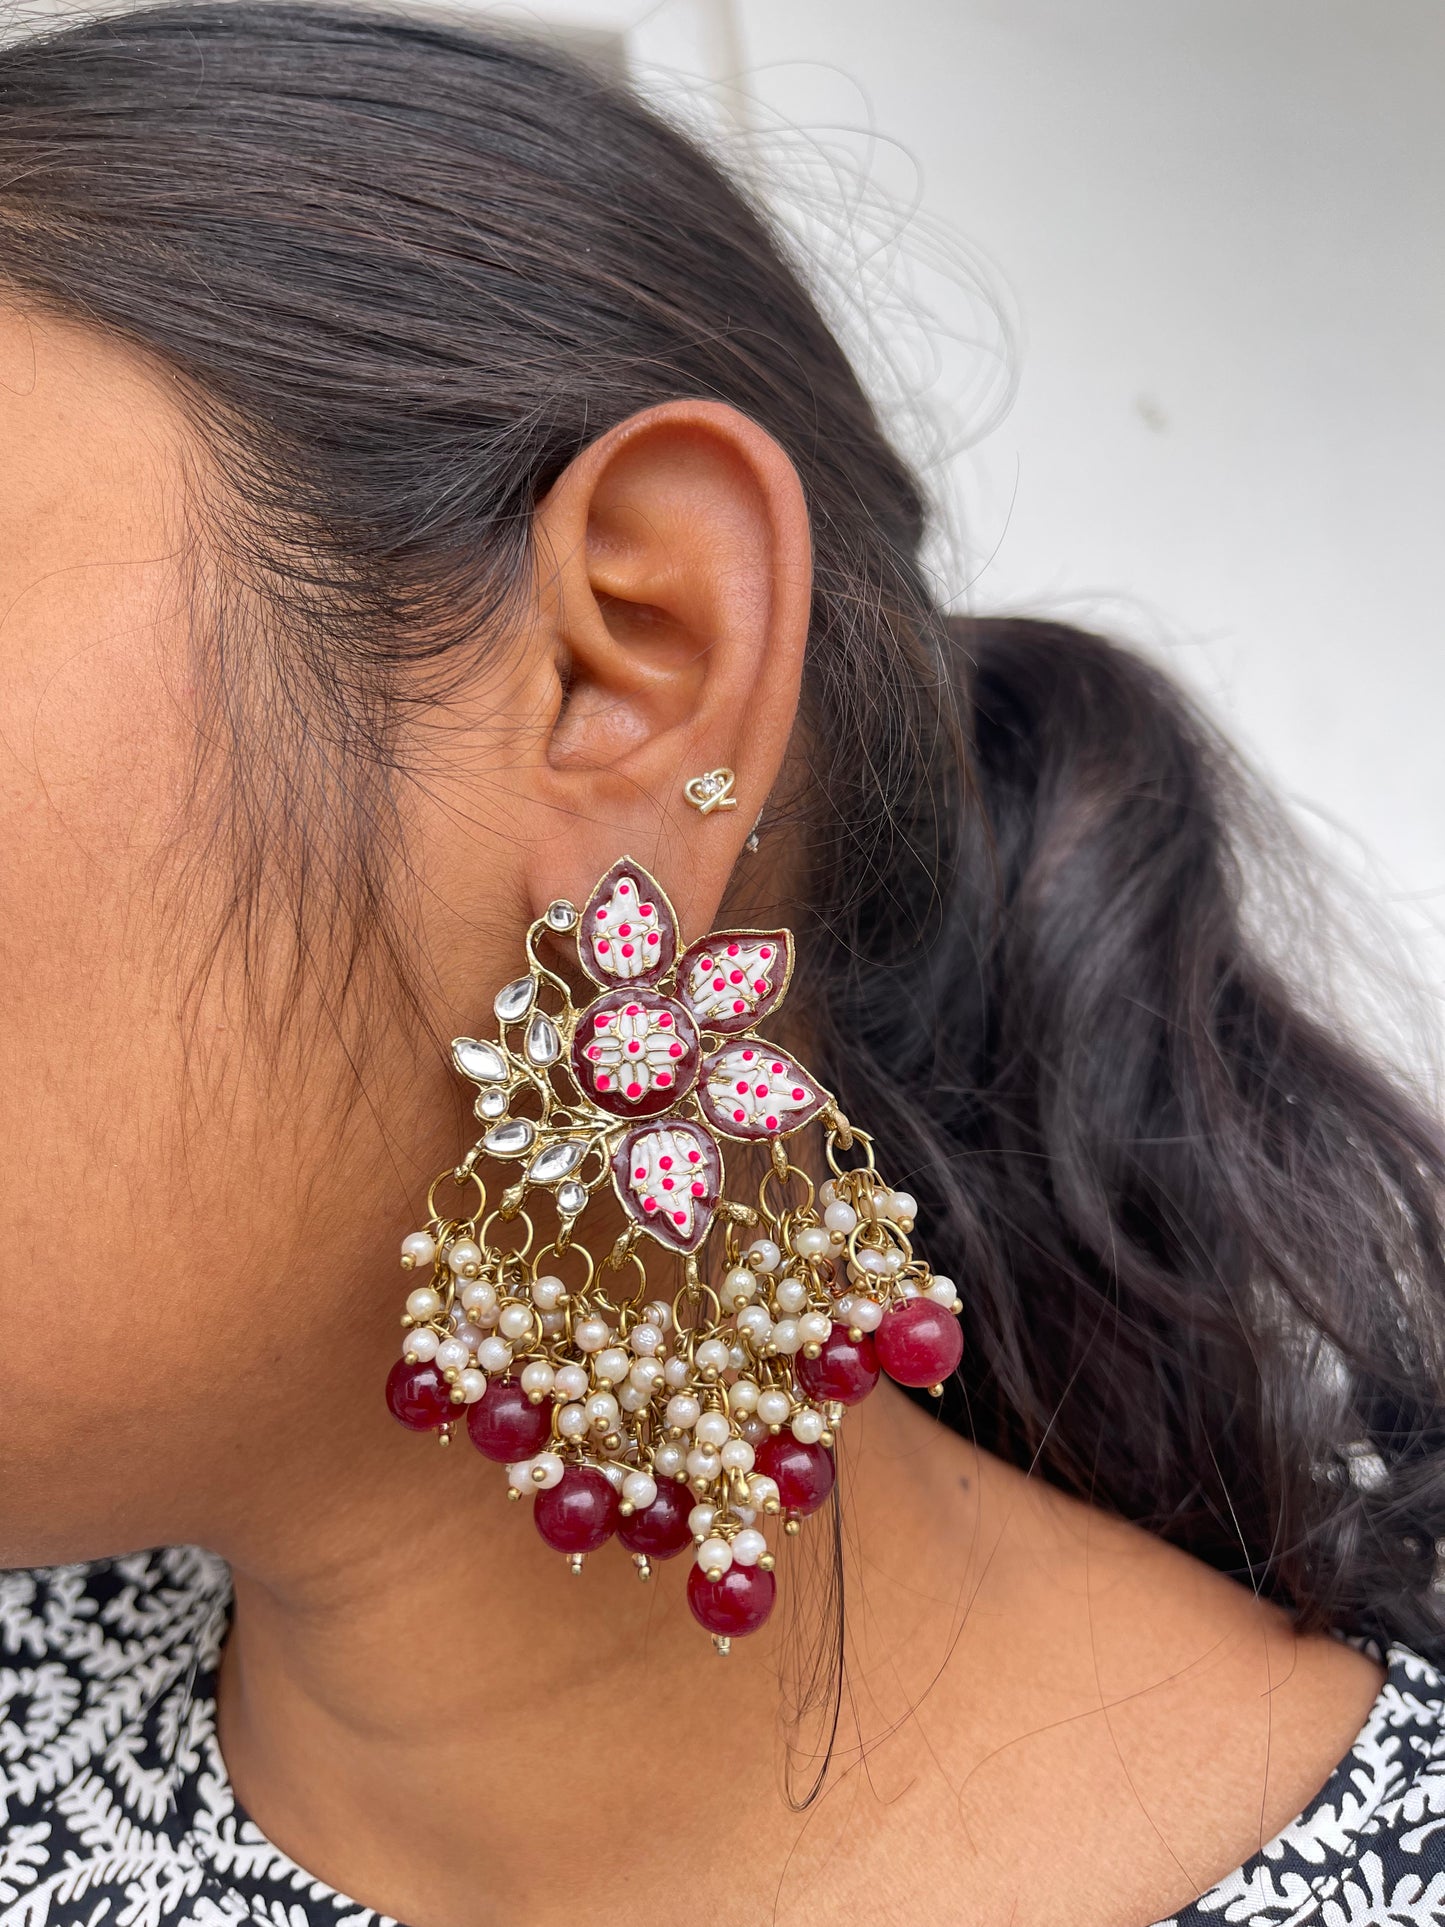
{"x": 416, "y": 1702}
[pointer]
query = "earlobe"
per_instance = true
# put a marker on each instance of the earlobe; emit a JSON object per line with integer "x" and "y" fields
{"x": 674, "y": 566}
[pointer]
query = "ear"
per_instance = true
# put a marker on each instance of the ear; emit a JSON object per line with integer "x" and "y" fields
{"x": 674, "y": 582}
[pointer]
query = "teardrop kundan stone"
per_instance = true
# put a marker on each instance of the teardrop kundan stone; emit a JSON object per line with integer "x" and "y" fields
{"x": 627, "y": 933}
{"x": 669, "y": 1178}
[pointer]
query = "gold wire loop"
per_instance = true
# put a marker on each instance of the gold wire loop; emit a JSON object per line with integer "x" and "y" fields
{"x": 836, "y": 1142}
{"x": 461, "y": 1177}
{"x": 567, "y": 1251}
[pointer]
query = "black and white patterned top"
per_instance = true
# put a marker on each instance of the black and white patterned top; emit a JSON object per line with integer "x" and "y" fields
{"x": 115, "y": 1808}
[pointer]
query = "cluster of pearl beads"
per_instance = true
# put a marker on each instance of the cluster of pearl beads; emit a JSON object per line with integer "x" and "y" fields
{"x": 690, "y": 1422}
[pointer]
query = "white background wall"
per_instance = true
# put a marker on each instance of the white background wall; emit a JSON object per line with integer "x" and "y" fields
{"x": 1218, "y": 224}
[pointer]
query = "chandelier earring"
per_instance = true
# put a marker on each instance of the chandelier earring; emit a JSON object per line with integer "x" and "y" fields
{"x": 685, "y": 1386}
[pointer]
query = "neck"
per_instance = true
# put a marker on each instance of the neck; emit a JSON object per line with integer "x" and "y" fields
{"x": 417, "y": 1654}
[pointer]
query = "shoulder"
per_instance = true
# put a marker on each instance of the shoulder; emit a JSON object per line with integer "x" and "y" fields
{"x": 1371, "y": 1844}
{"x": 97, "y": 1666}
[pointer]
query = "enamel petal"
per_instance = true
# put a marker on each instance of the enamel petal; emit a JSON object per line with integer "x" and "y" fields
{"x": 668, "y": 1177}
{"x": 733, "y": 978}
{"x": 751, "y": 1090}
{"x": 627, "y": 933}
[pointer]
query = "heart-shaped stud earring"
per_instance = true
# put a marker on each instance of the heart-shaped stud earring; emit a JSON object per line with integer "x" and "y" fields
{"x": 714, "y": 791}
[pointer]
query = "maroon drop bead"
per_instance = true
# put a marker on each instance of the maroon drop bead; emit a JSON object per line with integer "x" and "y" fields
{"x": 660, "y": 1529}
{"x": 803, "y": 1474}
{"x": 506, "y": 1426}
{"x": 919, "y": 1343}
{"x": 419, "y": 1396}
{"x": 736, "y": 1604}
{"x": 845, "y": 1370}
{"x": 579, "y": 1513}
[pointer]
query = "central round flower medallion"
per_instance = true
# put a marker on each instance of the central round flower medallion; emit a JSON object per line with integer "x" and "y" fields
{"x": 635, "y": 1053}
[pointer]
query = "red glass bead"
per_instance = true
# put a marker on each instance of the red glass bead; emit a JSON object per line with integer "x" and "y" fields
{"x": 919, "y": 1343}
{"x": 803, "y": 1474}
{"x": 505, "y": 1425}
{"x": 660, "y": 1529}
{"x": 419, "y": 1396}
{"x": 579, "y": 1513}
{"x": 737, "y": 1603}
{"x": 845, "y": 1370}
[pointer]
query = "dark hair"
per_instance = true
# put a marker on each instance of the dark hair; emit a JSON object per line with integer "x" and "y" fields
{"x": 403, "y": 272}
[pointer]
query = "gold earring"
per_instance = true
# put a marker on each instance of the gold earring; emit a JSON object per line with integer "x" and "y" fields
{"x": 701, "y": 1394}
{"x": 714, "y": 791}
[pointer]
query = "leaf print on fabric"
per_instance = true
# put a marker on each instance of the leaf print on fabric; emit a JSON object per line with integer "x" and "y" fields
{"x": 120, "y": 1813}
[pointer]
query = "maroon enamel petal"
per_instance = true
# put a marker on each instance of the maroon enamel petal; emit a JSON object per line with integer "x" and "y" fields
{"x": 627, "y": 934}
{"x": 669, "y": 1178}
{"x": 752, "y": 1090}
{"x": 732, "y": 978}
{"x": 635, "y": 1054}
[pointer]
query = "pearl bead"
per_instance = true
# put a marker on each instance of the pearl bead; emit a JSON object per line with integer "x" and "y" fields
{"x": 749, "y": 1545}
{"x": 519, "y": 1477}
{"x": 893, "y": 1261}
{"x": 669, "y": 1459}
{"x": 865, "y": 1314}
{"x": 464, "y": 1257}
{"x": 809, "y": 1427}
{"x": 756, "y": 1323}
{"x": 737, "y": 1359}
{"x": 469, "y": 1334}
{"x": 421, "y": 1248}
{"x": 841, "y": 1218}
{"x": 828, "y": 1193}
{"x": 943, "y": 1291}
{"x": 571, "y": 1382}
{"x": 787, "y": 1337}
{"x": 645, "y": 1340}
{"x": 699, "y": 1520}
{"x": 548, "y": 1292}
{"x": 754, "y": 1431}
{"x": 452, "y": 1355}
{"x": 537, "y": 1377}
{"x": 571, "y": 1422}
{"x": 423, "y": 1303}
{"x": 547, "y": 1470}
{"x": 815, "y": 1327}
{"x": 479, "y": 1295}
{"x": 677, "y": 1373}
{"x": 658, "y": 1313}
{"x": 646, "y": 1374}
{"x": 745, "y": 1515}
{"x": 422, "y": 1345}
{"x": 712, "y": 1429}
{"x": 602, "y": 1411}
{"x": 591, "y": 1334}
{"x": 714, "y": 1556}
{"x": 610, "y": 1365}
{"x": 870, "y": 1261}
{"x": 639, "y": 1489}
{"x": 683, "y": 1411}
{"x": 764, "y": 1255}
{"x": 471, "y": 1384}
{"x": 614, "y": 1475}
{"x": 903, "y": 1205}
{"x": 763, "y": 1492}
{"x": 738, "y": 1286}
{"x": 743, "y": 1396}
{"x": 813, "y": 1242}
{"x": 774, "y": 1407}
{"x": 515, "y": 1321}
{"x": 631, "y": 1399}
{"x": 712, "y": 1355}
{"x": 703, "y": 1463}
{"x": 791, "y": 1295}
{"x": 737, "y": 1456}
{"x": 494, "y": 1355}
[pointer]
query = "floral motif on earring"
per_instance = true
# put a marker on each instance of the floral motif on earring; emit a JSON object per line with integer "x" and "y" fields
{"x": 664, "y": 1410}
